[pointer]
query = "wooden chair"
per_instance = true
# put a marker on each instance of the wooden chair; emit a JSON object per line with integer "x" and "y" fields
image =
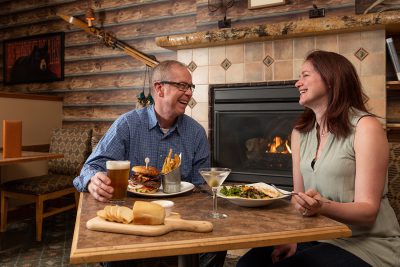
{"x": 75, "y": 145}
{"x": 394, "y": 178}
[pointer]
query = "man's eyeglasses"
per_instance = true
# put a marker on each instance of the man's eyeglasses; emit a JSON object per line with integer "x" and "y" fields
{"x": 181, "y": 86}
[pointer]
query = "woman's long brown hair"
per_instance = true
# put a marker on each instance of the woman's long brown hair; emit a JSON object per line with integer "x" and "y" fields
{"x": 344, "y": 92}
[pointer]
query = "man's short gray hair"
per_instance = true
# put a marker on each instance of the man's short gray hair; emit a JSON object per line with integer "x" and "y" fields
{"x": 162, "y": 70}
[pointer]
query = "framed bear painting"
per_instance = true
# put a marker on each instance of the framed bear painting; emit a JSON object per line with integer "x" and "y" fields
{"x": 34, "y": 59}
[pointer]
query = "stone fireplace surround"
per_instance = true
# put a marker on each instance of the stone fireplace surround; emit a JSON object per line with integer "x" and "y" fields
{"x": 268, "y": 53}
{"x": 251, "y": 63}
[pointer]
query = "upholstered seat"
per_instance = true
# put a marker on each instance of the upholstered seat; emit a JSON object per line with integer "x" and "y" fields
{"x": 40, "y": 185}
{"x": 75, "y": 145}
{"x": 394, "y": 178}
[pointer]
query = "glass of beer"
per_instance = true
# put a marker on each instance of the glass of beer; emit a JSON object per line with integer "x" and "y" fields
{"x": 118, "y": 172}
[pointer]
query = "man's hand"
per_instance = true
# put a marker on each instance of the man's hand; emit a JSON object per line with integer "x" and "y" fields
{"x": 99, "y": 187}
{"x": 283, "y": 251}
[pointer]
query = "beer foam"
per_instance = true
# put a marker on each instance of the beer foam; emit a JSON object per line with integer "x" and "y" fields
{"x": 118, "y": 164}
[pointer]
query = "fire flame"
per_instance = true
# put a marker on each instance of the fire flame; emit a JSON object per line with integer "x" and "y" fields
{"x": 279, "y": 145}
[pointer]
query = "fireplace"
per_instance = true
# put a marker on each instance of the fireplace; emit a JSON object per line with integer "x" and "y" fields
{"x": 250, "y": 127}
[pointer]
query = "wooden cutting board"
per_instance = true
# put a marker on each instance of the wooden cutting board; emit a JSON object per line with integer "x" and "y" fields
{"x": 171, "y": 223}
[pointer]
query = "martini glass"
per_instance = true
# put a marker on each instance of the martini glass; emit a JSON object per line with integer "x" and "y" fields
{"x": 214, "y": 178}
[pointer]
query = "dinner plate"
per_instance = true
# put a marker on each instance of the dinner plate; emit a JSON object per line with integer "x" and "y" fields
{"x": 185, "y": 187}
{"x": 249, "y": 202}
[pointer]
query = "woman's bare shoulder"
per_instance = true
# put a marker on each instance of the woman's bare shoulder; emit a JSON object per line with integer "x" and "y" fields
{"x": 367, "y": 123}
{"x": 370, "y": 133}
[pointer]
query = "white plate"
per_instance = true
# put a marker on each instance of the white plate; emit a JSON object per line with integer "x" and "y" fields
{"x": 185, "y": 187}
{"x": 249, "y": 202}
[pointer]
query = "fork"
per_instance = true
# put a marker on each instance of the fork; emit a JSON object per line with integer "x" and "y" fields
{"x": 295, "y": 193}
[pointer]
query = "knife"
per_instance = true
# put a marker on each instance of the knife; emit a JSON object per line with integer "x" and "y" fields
{"x": 108, "y": 40}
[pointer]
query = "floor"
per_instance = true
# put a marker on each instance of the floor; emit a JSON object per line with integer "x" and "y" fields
{"x": 19, "y": 248}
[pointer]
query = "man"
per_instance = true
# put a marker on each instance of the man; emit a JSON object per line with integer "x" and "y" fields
{"x": 151, "y": 132}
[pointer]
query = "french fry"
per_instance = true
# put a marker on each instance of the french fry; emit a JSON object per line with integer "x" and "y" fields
{"x": 176, "y": 161}
{"x": 170, "y": 163}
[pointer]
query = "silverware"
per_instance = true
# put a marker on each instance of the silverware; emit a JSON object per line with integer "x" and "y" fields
{"x": 295, "y": 193}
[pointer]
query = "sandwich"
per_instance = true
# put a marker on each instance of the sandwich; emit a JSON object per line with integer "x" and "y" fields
{"x": 145, "y": 179}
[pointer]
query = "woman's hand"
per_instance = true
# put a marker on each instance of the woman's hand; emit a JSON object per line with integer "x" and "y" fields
{"x": 283, "y": 251}
{"x": 309, "y": 203}
{"x": 99, "y": 187}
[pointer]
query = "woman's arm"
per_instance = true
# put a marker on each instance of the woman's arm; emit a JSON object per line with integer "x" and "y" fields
{"x": 372, "y": 156}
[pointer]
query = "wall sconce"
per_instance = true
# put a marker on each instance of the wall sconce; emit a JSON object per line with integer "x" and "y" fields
{"x": 223, "y": 5}
{"x": 90, "y": 14}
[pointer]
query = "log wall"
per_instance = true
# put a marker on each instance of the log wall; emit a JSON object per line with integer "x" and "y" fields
{"x": 101, "y": 83}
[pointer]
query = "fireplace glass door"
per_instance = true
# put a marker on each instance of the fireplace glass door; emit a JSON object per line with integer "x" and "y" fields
{"x": 251, "y": 135}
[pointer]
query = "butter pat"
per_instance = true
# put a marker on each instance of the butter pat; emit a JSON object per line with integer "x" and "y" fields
{"x": 148, "y": 213}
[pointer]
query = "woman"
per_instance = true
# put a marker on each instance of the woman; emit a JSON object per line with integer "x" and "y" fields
{"x": 340, "y": 156}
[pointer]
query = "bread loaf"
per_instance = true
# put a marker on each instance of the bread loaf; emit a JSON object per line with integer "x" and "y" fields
{"x": 148, "y": 213}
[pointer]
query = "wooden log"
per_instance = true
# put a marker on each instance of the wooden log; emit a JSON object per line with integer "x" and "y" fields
{"x": 110, "y": 65}
{"x": 102, "y": 97}
{"x": 78, "y": 39}
{"x": 96, "y": 112}
{"x": 99, "y": 50}
{"x": 177, "y": 24}
{"x": 97, "y": 66}
{"x": 12, "y": 7}
{"x": 116, "y": 14}
{"x": 87, "y": 82}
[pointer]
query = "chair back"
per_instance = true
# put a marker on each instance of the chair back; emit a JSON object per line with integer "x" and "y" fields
{"x": 75, "y": 145}
{"x": 394, "y": 178}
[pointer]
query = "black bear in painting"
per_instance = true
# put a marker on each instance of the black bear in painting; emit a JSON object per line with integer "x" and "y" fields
{"x": 33, "y": 68}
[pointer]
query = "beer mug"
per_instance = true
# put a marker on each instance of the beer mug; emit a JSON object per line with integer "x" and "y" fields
{"x": 118, "y": 172}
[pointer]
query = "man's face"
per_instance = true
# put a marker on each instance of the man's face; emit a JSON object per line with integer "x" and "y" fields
{"x": 172, "y": 99}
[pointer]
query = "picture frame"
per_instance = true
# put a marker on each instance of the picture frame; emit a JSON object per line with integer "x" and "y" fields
{"x": 253, "y": 4}
{"x": 34, "y": 59}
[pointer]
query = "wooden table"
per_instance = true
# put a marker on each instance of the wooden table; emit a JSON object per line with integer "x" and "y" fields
{"x": 277, "y": 223}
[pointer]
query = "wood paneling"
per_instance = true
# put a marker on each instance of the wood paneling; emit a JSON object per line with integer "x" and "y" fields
{"x": 101, "y": 97}
{"x": 92, "y": 113}
{"x": 101, "y": 83}
{"x": 240, "y": 15}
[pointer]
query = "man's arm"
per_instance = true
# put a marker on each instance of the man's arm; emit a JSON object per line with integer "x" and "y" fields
{"x": 112, "y": 146}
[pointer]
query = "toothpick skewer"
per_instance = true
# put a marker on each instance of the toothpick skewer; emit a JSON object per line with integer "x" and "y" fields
{"x": 147, "y": 160}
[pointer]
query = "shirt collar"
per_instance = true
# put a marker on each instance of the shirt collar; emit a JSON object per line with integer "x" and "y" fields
{"x": 153, "y": 120}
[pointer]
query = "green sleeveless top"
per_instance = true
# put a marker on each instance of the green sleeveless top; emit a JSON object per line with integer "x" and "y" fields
{"x": 334, "y": 177}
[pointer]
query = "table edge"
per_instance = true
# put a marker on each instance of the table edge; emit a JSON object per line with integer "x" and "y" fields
{"x": 135, "y": 251}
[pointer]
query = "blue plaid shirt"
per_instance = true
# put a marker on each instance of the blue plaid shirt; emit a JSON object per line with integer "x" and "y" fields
{"x": 136, "y": 135}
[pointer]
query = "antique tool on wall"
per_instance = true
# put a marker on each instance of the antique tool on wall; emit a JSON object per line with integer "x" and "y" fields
{"x": 111, "y": 41}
